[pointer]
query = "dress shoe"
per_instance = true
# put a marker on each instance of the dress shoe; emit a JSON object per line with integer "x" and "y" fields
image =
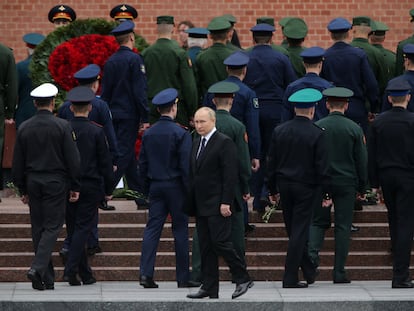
{"x": 354, "y": 228}
{"x": 142, "y": 204}
{"x": 188, "y": 284}
{"x": 50, "y": 286}
{"x": 310, "y": 279}
{"x": 103, "y": 205}
{"x": 406, "y": 284}
{"x": 147, "y": 282}
{"x": 72, "y": 280}
{"x": 241, "y": 289}
{"x": 296, "y": 285}
{"x": 202, "y": 294}
{"x": 93, "y": 250}
{"x": 34, "y": 276}
{"x": 342, "y": 281}
{"x": 88, "y": 281}
{"x": 248, "y": 228}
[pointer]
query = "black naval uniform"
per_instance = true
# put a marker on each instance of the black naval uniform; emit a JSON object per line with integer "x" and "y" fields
{"x": 391, "y": 166}
{"x": 96, "y": 177}
{"x": 298, "y": 171}
{"x": 46, "y": 165}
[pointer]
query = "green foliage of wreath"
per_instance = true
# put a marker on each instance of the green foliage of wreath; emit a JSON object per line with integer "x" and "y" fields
{"x": 40, "y": 59}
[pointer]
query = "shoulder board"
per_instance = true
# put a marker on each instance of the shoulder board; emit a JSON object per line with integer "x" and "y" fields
{"x": 319, "y": 127}
{"x": 97, "y": 124}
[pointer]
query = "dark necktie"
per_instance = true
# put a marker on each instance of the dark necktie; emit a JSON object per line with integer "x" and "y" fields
{"x": 202, "y": 146}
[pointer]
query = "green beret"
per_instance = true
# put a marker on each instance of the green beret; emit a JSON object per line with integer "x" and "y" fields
{"x": 361, "y": 21}
{"x": 379, "y": 28}
{"x": 231, "y": 18}
{"x": 265, "y": 20}
{"x": 219, "y": 24}
{"x": 295, "y": 28}
{"x": 338, "y": 93}
{"x": 223, "y": 89}
{"x": 165, "y": 19}
{"x": 283, "y": 21}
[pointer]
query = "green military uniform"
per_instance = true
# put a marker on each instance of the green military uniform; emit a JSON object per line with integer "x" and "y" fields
{"x": 8, "y": 90}
{"x": 168, "y": 66}
{"x": 295, "y": 29}
{"x": 399, "y": 62}
{"x": 348, "y": 171}
{"x": 209, "y": 62}
{"x": 379, "y": 29}
{"x": 233, "y": 128}
{"x": 375, "y": 57}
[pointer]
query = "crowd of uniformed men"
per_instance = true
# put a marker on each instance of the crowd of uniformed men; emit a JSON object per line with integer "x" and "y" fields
{"x": 294, "y": 118}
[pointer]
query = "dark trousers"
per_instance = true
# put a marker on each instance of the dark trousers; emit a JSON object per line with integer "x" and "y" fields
{"x": 298, "y": 201}
{"x": 398, "y": 191}
{"x": 343, "y": 198}
{"x": 47, "y": 199}
{"x": 80, "y": 223}
{"x": 126, "y": 131}
{"x": 166, "y": 197}
{"x": 214, "y": 234}
{"x": 93, "y": 239}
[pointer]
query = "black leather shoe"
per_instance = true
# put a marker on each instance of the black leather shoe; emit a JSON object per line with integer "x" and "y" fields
{"x": 34, "y": 276}
{"x": 310, "y": 279}
{"x": 354, "y": 228}
{"x": 248, "y": 228}
{"x": 202, "y": 294}
{"x": 147, "y": 282}
{"x": 296, "y": 285}
{"x": 89, "y": 281}
{"x": 72, "y": 280}
{"x": 93, "y": 250}
{"x": 407, "y": 284}
{"x": 241, "y": 289}
{"x": 103, "y": 205}
{"x": 188, "y": 284}
{"x": 50, "y": 286}
{"x": 342, "y": 281}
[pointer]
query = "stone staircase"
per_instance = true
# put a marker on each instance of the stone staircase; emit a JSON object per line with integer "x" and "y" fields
{"x": 121, "y": 238}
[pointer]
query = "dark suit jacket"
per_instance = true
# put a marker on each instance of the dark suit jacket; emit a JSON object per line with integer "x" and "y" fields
{"x": 213, "y": 176}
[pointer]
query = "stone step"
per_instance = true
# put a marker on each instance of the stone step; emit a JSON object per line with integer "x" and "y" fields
{"x": 166, "y": 244}
{"x": 167, "y": 259}
{"x": 258, "y": 273}
{"x": 140, "y": 216}
{"x": 136, "y": 230}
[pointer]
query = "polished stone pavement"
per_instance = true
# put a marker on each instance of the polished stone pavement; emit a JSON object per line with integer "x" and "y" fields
{"x": 119, "y": 296}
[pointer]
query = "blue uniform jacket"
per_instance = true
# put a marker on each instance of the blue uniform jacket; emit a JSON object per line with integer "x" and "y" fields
{"x": 124, "y": 85}
{"x": 165, "y": 152}
{"x": 245, "y": 108}
{"x": 99, "y": 114}
{"x": 347, "y": 66}
{"x": 310, "y": 80}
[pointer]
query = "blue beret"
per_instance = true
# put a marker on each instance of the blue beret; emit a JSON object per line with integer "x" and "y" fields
{"x": 123, "y": 12}
{"x": 197, "y": 32}
{"x": 237, "y": 59}
{"x": 305, "y": 98}
{"x": 165, "y": 97}
{"x": 262, "y": 28}
{"x": 312, "y": 55}
{"x": 81, "y": 95}
{"x": 408, "y": 49}
{"x": 123, "y": 28}
{"x": 224, "y": 89}
{"x": 339, "y": 25}
{"x": 87, "y": 74}
{"x": 398, "y": 87}
{"x": 33, "y": 38}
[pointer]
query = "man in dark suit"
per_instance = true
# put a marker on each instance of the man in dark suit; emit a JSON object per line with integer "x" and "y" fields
{"x": 213, "y": 176}
{"x": 390, "y": 166}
